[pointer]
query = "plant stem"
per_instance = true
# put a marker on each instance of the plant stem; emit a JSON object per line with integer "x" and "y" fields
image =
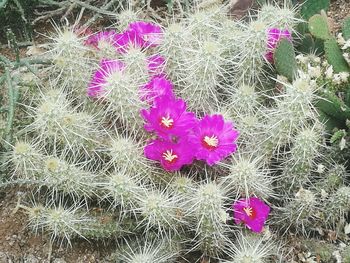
{"x": 93, "y": 8}
{"x": 93, "y": 19}
{"x": 12, "y": 96}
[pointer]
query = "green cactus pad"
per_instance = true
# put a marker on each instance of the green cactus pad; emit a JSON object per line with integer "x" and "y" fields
{"x": 312, "y": 7}
{"x": 333, "y": 111}
{"x": 346, "y": 28}
{"x": 307, "y": 44}
{"x": 318, "y": 26}
{"x": 335, "y": 57}
{"x": 329, "y": 122}
{"x": 284, "y": 58}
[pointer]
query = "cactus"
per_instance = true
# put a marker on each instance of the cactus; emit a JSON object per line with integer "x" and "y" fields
{"x": 334, "y": 56}
{"x": 126, "y": 154}
{"x": 150, "y": 251}
{"x": 312, "y": 7}
{"x": 122, "y": 190}
{"x": 300, "y": 212}
{"x": 160, "y": 211}
{"x": 206, "y": 208}
{"x": 284, "y": 57}
{"x": 83, "y": 145}
{"x": 334, "y": 178}
{"x": 346, "y": 28}
{"x": 336, "y": 207}
{"x": 333, "y": 109}
{"x": 321, "y": 249}
{"x": 246, "y": 178}
{"x": 318, "y": 26}
{"x": 64, "y": 223}
{"x": 307, "y": 44}
{"x": 58, "y": 123}
{"x": 283, "y": 17}
{"x": 252, "y": 248}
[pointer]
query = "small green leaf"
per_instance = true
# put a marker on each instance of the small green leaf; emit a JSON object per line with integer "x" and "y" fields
{"x": 284, "y": 57}
{"x": 318, "y": 26}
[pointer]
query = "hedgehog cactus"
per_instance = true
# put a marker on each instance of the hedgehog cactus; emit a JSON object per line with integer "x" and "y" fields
{"x": 176, "y": 140}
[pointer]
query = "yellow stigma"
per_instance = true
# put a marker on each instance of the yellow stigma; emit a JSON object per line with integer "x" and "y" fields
{"x": 167, "y": 122}
{"x": 211, "y": 141}
{"x": 169, "y": 156}
{"x": 248, "y": 210}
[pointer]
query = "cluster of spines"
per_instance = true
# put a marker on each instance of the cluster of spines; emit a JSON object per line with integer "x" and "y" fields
{"x": 59, "y": 176}
{"x": 60, "y": 124}
{"x": 207, "y": 215}
{"x": 71, "y": 62}
{"x": 246, "y": 176}
{"x": 299, "y": 213}
{"x": 64, "y": 223}
{"x": 253, "y": 248}
{"x": 151, "y": 250}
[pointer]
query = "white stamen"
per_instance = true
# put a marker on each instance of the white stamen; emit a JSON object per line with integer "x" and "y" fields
{"x": 211, "y": 141}
{"x": 167, "y": 121}
{"x": 169, "y": 156}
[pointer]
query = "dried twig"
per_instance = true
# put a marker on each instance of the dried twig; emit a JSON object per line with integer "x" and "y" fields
{"x": 13, "y": 97}
{"x": 49, "y": 15}
{"x": 68, "y": 11}
{"x": 97, "y": 15}
{"x": 93, "y": 8}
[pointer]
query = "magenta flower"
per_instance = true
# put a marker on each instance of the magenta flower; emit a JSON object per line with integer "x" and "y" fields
{"x": 273, "y": 36}
{"x": 150, "y": 33}
{"x": 126, "y": 40}
{"x": 96, "y": 87}
{"x": 158, "y": 86}
{"x": 172, "y": 156}
{"x": 168, "y": 118}
{"x": 102, "y": 37}
{"x": 214, "y": 139}
{"x": 252, "y": 212}
{"x": 156, "y": 65}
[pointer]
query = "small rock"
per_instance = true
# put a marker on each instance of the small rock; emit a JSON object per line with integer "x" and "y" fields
{"x": 31, "y": 259}
{"x": 59, "y": 260}
{"x": 3, "y": 257}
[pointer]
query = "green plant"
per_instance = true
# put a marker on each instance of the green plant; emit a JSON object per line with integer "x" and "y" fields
{"x": 312, "y": 7}
{"x": 335, "y": 57}
{"x": 318, "y": 26}
{"x": 284, "y": 57}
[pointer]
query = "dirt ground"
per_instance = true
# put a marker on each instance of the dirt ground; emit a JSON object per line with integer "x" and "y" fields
{"x": 19, "y": 244}
{"x": 339, "y": 10}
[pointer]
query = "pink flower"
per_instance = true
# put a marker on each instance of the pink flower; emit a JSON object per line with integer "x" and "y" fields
{"x": 158, "y": 86}
{"x": 214, "y": 139}
{"x": 156, "y": 65}
{"x": 273, "y": 36}
{"x": 126, "y": 40}
{"x": 96, "y": 87}
{"x": 252, "y": 212}
{"x": 150, "y": 33}
{"x": 172, "y": 156}
{"x": 103, "y": 36}
{"x": 168, "y": 117}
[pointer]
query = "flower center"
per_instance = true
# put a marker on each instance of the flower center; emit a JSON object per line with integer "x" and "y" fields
{"x": 167, "y": 122}
{"x": 249, "y": 211}
{"x": 170, "y": 156}
{"x": 211, "y": 143}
